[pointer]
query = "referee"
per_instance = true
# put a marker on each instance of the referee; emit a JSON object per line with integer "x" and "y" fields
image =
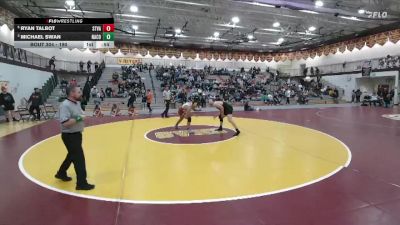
{"x": 71, "y": 118}
{"x": 167, "y": 100}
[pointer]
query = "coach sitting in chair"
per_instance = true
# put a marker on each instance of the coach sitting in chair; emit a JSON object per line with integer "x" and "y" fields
{"x": 36, "y": 101}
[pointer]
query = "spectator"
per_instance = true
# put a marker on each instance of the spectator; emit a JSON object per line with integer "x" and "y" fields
{"x": 115, "y": 110}
{"x": 62, "y": 95}
{"x": 97, "y": 111}
{"x": 358, "y": 96}
{"x": 7, "y": 102}
{"x": 89, "y": 66}
{"x": 94, "y": 92}
{"x": 386, "y": 98}
{"x": 96, "y": 66}
{"x": 81, "y": 66}
{"x": 132, "y": 99}
{"x": 287, "y": 95}
{"x": 149, "y": 100}
{"x": 52, "y": 63}
{"x": 63, "y": 83}
{"x": 353, "y": 96}
{"x": 36, "y": 101}
{"x": 247, "y": 106}
{"x": 109, "y": 92}
{"x": 102, "y": 94}
{"x": 132, "y": 111}
{"x": 73, "y": 82}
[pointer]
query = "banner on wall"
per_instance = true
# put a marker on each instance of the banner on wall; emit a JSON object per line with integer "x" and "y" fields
{"x": 128, "y": 61}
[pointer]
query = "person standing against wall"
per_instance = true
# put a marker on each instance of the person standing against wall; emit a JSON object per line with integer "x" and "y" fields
{"x": 71, "y": 119}
{"x": 7, "y": 102}
{"x": 36, "y": 101}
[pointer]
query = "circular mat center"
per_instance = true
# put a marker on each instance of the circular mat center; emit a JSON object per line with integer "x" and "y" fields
{"x": 197, "y": 134}
{"x": 139, "y": 161}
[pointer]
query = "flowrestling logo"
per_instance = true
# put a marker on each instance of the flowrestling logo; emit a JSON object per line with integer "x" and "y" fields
{"x": 198, "y": 134}
{"x": 376, "y": 15}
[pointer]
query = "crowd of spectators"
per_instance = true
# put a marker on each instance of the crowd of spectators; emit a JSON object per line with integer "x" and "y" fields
{"x": 389, "y": 62}
{"x": 235, "y": 86}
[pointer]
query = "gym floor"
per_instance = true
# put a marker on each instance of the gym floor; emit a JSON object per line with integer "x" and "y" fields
{"x": 330, "y": 166}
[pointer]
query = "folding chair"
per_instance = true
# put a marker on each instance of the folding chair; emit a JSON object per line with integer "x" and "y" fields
{"x": 23, "y": 113}
{"x": 48, "y": 111}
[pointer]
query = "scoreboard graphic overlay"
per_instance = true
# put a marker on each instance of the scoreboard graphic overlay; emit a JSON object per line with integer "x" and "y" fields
{"x": 64, "y": 32}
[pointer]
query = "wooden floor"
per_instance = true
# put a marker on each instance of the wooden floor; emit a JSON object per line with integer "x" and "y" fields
{"x": 13, "y": 127}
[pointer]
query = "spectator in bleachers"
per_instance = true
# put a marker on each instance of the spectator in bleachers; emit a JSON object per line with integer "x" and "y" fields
{"x": 73, "y": 82}
{"x": 109, "y": 92}
{"x": 7, "y": 102}
{"x": 115, "y": 110}
{"x": 63, "y": 83}
{"x": 115, "y": 77}
{"x": 89, "y": 66}
{"x": 132, "y": 111}
{"x": 36, "y": 101}
{"x": 102, "y": 94}
{"x": 96, "y": 66}
{"x": 94, "y": 91}
{"x": 81, "y": 66}
{"x": 97, "y": 111}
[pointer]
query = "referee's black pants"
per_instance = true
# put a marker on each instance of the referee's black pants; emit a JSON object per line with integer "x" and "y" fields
{"x": 73, "y": 143}
{"x": 165, "y": 113}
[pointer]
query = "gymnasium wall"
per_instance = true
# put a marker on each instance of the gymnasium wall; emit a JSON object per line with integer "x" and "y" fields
{"x": 350, "y": 82}
{"x": 21, "y": 80}
{"x": 339, "y": 58}
{"x": 346, "y": 82}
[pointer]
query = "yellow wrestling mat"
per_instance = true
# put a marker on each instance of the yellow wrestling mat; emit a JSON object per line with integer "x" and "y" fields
{"x": 137, "y": 162}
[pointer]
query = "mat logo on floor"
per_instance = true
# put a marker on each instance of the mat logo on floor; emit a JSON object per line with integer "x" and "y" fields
{"x": 392, "y": 116}
{"x": 186, "y": 133}
{"x": 199, "y": 134}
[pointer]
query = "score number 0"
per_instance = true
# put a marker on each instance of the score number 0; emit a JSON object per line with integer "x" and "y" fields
{"x": 108, "y": 32}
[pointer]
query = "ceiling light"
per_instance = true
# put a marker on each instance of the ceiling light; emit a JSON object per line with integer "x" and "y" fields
{"x": 319, "y": 3}
{"x": 70, "y": 3}
{"x": 272, "y": 30}
{"x": 216, "y": 34}
{"x": 276, "y": 24}
{"x": 264, "y": 45}
{"x": 178, "y": 31}
{"x": 312, "y": 28}
{"x": 134, "y": 8}
{"x": 280, "y": 40}
{"x": 260, "y": 4}
{"x": 250, "y": 36}
{"x": 235, "y": 19}
{"x": 135, "y": 27}
{"x": 361, "y": 11}
{"x": 308, "y": 11}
